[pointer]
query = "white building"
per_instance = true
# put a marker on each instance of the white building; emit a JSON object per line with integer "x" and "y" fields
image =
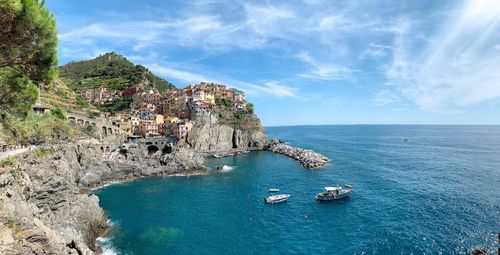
{"x": 199, "y": 96}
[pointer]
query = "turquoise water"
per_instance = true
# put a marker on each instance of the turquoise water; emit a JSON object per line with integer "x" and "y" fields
{"x": 438, "y": 192}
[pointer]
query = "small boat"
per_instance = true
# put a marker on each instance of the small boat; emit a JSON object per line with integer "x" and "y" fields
{"x": 274, "y": 190}
{"x": 276, "y": 198}
{"x": 334, "y": 193}
{"x": 216, "y": 156}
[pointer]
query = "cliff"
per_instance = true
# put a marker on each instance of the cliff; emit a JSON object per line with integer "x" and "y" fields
{"x": 227, "y": 131}
{"x": 45, "y": 207}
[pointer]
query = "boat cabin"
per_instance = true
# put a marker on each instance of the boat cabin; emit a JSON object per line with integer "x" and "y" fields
{"x": 333, "y": 189}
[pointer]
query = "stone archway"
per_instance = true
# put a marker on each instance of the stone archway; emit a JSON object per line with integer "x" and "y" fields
{"x": 152, "y": 149}
{"x": 167, "y": 149}
{"x": 104, "y": 130}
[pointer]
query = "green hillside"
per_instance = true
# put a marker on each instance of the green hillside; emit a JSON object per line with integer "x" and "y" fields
{"x": 58, "y": 94}
{"x": 112, "y": 71}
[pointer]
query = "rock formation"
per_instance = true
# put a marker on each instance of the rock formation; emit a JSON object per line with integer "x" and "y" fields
{"x": 45, "y": 206}
{"x": 228, "y": 133}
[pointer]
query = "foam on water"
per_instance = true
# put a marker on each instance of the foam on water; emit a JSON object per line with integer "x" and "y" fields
{"x": 105, "y": 243}
{"x": 226, "y": 169}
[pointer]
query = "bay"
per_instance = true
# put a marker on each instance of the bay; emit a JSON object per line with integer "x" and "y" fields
{"x": 417, "y": 189}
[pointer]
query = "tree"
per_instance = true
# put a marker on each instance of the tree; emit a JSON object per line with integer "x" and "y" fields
{"x": 250, "y": 107}
{"x": 17, "y": 93}
{"x": 28, "y": 53}
{"x": 28, "y": 39}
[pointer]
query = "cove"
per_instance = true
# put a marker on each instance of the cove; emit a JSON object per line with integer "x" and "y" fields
{"x": 415, "y": 190}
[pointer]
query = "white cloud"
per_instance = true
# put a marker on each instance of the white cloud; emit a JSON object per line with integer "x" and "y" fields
{"x": 385, "y": 97}
{"x": 182, "y": 75}
{"x": 202, "y": 31}
{"x": 323, "y": 71}
{"x": 330, "y": 22}
{"x": 460, "y": 69}
{"x": 267, "y": 20}
{"x": 268, "y": 88}
{"x": 275, "y": 88}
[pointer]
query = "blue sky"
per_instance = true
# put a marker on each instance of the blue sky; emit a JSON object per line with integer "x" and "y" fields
{"x": 309, "y": 61}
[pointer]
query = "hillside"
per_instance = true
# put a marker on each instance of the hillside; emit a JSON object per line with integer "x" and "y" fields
{"x": 58, "y": 94}
{"x": 112, "y": 71}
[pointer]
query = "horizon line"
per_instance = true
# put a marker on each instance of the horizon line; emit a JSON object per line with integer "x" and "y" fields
{"x": 380, "y": 124}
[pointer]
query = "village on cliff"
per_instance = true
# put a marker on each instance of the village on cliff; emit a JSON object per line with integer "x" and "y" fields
{"x": 172, "y": 113}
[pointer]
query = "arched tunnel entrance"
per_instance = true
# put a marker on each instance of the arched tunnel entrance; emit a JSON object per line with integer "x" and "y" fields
{"x": 152, "y": 149}
{"x": 167, "y": 149}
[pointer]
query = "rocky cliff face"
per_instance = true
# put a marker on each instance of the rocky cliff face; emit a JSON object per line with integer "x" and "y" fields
{"x": 228, "y": 133}
{"x": 45, "y": 207}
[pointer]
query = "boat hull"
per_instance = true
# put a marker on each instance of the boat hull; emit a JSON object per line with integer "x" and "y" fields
{"x": 276, "y": 199}
{"x": 328, "y": 196}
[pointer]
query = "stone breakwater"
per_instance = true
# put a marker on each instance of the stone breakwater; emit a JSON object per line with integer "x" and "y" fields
{"x": 307, "y": 158}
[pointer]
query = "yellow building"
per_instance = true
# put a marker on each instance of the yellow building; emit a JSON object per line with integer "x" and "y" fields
{"x": 127, "y": 126}
{"x": 172, "y": 119}
{"x": 209, "y": 97}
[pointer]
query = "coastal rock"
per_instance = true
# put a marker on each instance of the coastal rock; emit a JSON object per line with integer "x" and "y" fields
{"x": 211, "y": 137}
{"x": 307, "y": 158}
{"x": 42, "y": 207}
{"x": 45, "y": 207}
{"x": 224, "y": 137}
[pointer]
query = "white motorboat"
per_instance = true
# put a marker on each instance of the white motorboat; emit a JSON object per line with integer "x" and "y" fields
{"x": 274, "y": 190}
{"x": 334, "y": 193}
{"x": 276, "y": 198}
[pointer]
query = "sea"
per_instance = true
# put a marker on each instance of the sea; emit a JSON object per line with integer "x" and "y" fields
{"x": 417, "y": 189}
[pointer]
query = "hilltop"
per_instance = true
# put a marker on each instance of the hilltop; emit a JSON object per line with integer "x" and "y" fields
{"x": 112, "y": 71}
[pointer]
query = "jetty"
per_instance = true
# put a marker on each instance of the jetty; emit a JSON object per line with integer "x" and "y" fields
{"x": 308, "y": 158}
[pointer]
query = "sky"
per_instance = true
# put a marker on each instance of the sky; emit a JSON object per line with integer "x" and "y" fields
{"x": 309, "y": 62}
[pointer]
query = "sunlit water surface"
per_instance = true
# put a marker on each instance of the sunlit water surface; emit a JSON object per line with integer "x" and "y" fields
{"x": 436, "y": 192}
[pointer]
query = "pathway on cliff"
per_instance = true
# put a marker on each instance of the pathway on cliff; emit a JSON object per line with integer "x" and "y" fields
{"x": 4, "y": 155}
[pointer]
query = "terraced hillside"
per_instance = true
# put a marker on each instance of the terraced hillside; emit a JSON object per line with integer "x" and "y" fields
{"x": 58, "y": 94}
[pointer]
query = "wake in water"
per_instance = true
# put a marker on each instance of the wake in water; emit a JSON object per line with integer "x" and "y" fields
{"x": 224, "y": 169}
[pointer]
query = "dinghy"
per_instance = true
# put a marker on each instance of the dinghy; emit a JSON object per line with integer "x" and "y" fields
{"x": 276, "y": 198}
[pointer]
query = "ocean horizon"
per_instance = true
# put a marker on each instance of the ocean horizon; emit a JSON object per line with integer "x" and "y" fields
{"x": 300, "y": 125}
{"x": 417, "y": 190}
